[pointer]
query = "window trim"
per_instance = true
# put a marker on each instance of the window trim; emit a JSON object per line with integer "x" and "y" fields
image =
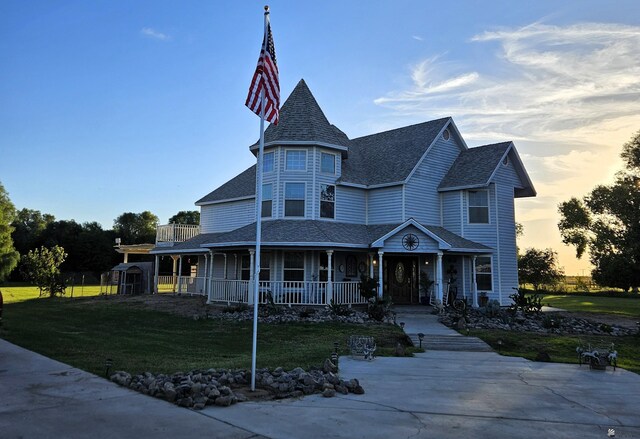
{"x": 326, "y": 201}
{"x": 304, "y": 200}
{"x": 264, "y": 201}
{"x": 286, "y": 160}
{"x": 273, "y": 153}
{"x": 469, "y": 206}
{"x": 334, "y": 163}
{"x": 490, "y": 258}
{"x": 303, "y": 269}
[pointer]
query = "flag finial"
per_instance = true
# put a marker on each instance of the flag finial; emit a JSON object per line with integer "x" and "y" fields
{"x": 266, "y": 9}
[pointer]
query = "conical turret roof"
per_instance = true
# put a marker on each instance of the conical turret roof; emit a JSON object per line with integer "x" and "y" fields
{"x": 302, "y": 120}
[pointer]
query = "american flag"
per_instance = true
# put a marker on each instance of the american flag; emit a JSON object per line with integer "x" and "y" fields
{"x": 266, "y": 78}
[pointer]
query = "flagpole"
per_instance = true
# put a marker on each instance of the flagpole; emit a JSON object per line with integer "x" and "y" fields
{"x": 256, "y": 275}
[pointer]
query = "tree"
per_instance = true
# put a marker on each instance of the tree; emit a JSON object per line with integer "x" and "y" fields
{"x": 9, "y": 257}
{"x": 606, "y": 222}
{"x": 136, "y": 228}
{"x": 186, "y": 217}
{"x": 539, "y": 267}
{"x": 42, "y": 268}
{"x": 29, "y": 225}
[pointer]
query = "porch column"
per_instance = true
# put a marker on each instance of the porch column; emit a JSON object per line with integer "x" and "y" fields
{"x": 174, "y": 272}
{"x": 474, "y": 284}
{"x": 126, "y": 257}
{"x": 380, "y": 283}
{"x": 252, "y": 279}
{"x": 206, "y": 277}
{"x": 179, "y": 274}
{"x": 329, "y": 276}
{"x": 439, "y": 277}
{"x": 224, "y": 276}
{"x": 156, "y": 270}
{"x": 371, "y": 265}
{"x": 210, "y": 278}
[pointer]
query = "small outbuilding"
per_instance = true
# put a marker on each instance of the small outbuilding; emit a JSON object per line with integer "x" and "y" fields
{"x": 129, "y": 278}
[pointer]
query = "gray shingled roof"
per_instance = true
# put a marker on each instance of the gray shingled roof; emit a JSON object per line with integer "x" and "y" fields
{"x": 302, "y": 119}
{"x": 308, "y": 231}
{"x": 456, "y": 241}
{"x": 193, "y": 244}
{"x": 314, "y": 232}
{"x": 389, "y": 156}
{"x": 474, "y": 166}
{"x": 242, "y": 185}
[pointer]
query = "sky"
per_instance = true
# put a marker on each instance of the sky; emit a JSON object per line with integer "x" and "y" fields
{"x": 124, "y": 106}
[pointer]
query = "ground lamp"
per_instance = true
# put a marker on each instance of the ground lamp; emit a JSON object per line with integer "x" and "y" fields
{"x": 108, "y": 363}
{"x": 499, "y": 345}
{"x": 420, "y": 338}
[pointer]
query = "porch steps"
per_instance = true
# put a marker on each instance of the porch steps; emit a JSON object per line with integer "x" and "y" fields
{"x": 451, "y": 343}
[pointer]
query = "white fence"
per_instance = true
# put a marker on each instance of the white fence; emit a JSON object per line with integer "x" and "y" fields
{"x": 285, "y": 292}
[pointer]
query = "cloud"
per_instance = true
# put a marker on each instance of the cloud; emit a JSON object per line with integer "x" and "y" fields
{"x": 569, "y": 96}
{"x": 554, "y": 83}
{"x": 154, "y": 34}
{"x": 417, "y": 38}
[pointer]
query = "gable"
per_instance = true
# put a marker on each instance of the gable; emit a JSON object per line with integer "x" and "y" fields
{"x": 390, "y": 156}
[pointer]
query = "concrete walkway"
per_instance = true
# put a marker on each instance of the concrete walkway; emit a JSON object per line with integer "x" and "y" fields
{"x": 420, "y": 319}
{"x": 436, "y": 394}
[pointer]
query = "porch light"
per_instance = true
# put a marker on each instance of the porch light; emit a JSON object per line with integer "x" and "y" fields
{"x": 375, "y": 262}
{"x": 420, "y": 338}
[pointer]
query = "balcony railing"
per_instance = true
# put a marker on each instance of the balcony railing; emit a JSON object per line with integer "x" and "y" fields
{"x": 168, "y": 234}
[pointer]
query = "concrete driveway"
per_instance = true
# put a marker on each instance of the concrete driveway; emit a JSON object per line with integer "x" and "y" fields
{"x": 437, "y": 394}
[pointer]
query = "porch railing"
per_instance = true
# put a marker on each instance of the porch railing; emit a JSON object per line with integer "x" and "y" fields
{"x": 182, "y": 285}
{"x": 169, "y": 234}
{"x": 285, "y": 292}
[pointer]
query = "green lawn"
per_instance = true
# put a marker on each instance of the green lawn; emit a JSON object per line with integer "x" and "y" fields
{"x": 19, "y": 292}
{"x": 86, "y": 334}
{"x": 561, "y": 348}
{"x": 624, "y": 306}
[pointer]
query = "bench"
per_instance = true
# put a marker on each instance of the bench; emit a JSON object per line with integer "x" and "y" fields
{"x": 598, "y": 357}
{"x": 362, "y": 347}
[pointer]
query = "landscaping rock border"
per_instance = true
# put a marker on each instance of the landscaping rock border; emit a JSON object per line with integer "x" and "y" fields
{"x": 198, "y": 389}
{"x": 543, "y": 323}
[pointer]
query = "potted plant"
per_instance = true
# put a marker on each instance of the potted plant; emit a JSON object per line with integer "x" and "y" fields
{"x": 483, "y": 300}
{"x": 425, "y": 288}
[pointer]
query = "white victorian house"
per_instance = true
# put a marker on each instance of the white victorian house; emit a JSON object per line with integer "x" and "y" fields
{"x": 388, "y": 205}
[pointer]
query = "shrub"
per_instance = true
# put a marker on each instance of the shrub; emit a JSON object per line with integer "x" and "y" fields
{"x": 527, "y": 304}
{"x": 379, "y": 309}
{"x": 368, "y": 287}
{"x": 306, "y": 313}
{"x": 337, "y": 309}
{"x": 493, "y": 308}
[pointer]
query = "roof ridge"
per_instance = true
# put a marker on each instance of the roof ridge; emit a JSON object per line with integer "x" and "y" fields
{"x": 402, "y": 128}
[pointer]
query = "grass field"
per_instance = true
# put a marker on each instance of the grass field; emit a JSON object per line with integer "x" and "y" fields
{"x": 624, "y": 306}
{"x": 85, "y": 335}
{"x": 13, "y": 293}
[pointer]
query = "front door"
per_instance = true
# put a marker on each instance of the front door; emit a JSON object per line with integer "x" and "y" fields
{"x": 401, "y": 279}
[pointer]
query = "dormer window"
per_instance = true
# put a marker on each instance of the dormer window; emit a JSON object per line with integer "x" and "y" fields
{"x": 296, "y": 160}
{"x": 327, "y": 163}
{"x": 478, "y": 207}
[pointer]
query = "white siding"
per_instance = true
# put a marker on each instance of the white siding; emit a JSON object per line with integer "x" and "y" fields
{"x": 385, "y": 205}
{"x": 224, "y": 217}
{"x": 426, "y": 245}
{"x": 506, "y": 179}
{"x": 351, "y": 205}
{"x": 451, "y": 210}
{"x": 422, "y": 200}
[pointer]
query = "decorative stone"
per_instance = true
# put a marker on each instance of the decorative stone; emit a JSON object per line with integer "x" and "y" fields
{"x": 328, "y": 393}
